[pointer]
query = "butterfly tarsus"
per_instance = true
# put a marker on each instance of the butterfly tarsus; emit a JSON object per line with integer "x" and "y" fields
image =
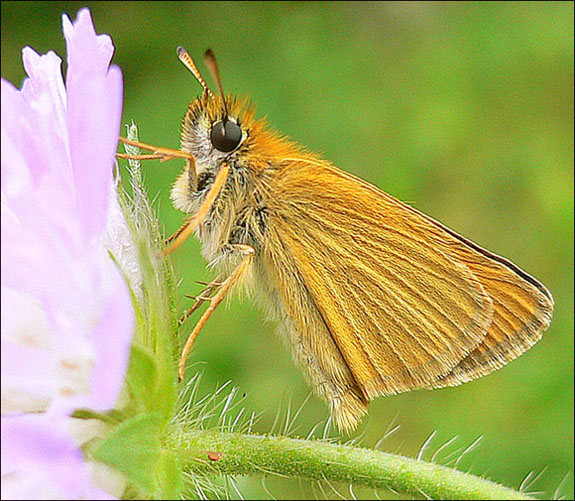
{"x": 202, "y": 297}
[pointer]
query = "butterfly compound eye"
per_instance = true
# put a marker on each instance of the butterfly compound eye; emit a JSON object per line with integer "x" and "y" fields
{"x": 226, "y": 136}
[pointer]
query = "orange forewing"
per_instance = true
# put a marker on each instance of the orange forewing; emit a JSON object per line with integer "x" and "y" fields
{"x": 408, "y": 302}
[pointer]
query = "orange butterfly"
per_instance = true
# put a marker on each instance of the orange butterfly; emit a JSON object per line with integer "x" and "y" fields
{"x": 375, "y": 297}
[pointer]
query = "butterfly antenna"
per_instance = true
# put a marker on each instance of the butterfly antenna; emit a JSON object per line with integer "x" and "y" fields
{"x": 189, "y": 63}
{"x": 212, "y": 65}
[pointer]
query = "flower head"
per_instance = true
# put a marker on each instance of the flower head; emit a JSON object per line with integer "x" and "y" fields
{"x": 67, "y": 316}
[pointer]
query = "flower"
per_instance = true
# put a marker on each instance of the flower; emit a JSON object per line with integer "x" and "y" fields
{"x": 67, "y": 316}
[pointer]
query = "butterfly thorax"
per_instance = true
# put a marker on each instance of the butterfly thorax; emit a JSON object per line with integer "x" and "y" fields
{"x": 239, "y": 213}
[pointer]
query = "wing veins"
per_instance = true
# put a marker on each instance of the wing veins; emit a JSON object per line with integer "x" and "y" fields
{"x": 406, "y": 285}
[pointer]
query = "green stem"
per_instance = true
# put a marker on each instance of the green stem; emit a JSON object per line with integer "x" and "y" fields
{"x": 204, "y": 452}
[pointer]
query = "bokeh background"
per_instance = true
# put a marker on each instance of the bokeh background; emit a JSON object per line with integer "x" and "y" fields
{"x": 464, "y": 110}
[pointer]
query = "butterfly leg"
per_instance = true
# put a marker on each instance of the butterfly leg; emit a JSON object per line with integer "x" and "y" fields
{"x": 247, "y": 255}
{"x": 204, "y": 296}
{"x": 176, "y": 233}
{"x": 179, "y": 237}
{"x": 159, "y": 153}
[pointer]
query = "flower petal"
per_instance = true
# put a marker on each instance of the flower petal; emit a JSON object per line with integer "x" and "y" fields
{"x": 41, "y": 461}
{"x": 94, "y": 113}
{"x": 67, "y": 313}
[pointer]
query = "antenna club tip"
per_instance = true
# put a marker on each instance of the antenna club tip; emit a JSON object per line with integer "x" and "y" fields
{"x": 209, "y": 53}
{"x": 180, "y": 50}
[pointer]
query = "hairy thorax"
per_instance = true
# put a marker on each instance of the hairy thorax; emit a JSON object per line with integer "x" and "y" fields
{"x": 238, "y": 215}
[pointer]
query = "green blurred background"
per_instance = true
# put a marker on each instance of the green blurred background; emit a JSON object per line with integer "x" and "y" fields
{"x": 463, "y": 109}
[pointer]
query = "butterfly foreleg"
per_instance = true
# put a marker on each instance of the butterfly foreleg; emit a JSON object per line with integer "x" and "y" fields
{"x": 179, "y": 237}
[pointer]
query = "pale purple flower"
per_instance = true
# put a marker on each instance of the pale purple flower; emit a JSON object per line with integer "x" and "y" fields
{"x": 67, "y": 316}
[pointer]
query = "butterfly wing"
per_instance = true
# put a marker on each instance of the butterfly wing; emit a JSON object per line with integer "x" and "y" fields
{"x": 372, "y": 306}
{"x": 522, "y": 310}
{"x": 406, "y": 302}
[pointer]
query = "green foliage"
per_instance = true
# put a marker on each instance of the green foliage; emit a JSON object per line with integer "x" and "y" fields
{"x": 133, "y": 448}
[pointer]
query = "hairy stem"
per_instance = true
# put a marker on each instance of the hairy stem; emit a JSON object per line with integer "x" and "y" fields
{"x": 213, "y": 452}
